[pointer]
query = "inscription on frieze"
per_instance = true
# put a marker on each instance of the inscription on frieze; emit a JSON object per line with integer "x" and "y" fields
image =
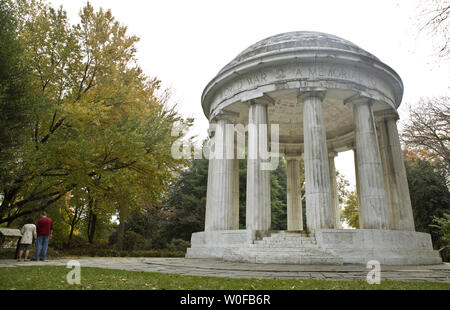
{"x": 294, "y": 71}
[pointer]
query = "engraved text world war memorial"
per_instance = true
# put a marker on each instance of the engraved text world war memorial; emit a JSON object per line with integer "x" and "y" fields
{"x": 324, "y": 95}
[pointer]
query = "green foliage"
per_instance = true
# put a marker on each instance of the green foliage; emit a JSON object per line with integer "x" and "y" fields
{"x": 350, "y": 212}
{"x": 99, "y": 127}
{"x": 178, "y": 245}
{"x": 430, "y": 196}
{"x": 278, "y": 195}
{"x": 187, "y": 201}
{"x": 443, "y": 230}
{"x": 15, "y": 100}
{"x": 443, "y": 226}
{"x": 133, "y": 241}
{"x": 342, "y": 188}
{"x": 61, "y": 229}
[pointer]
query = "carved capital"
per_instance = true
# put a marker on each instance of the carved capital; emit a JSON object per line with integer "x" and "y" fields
{"x": 227, "y": 116}
{"x": 332, "y": 154}
{"x": 314, "y": 92}
{"x": 264, "y": 99}
{"x": 386, "y": 115}
{"x": 358, "y": 99}
{"x": 292, "y": 157}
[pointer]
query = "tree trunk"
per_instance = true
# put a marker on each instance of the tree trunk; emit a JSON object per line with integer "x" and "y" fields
{"x": 70, "y": 235}
{"x": 92, "y": 224}
{"x": 120, "y": 235}
{"x": 123, "y": 216}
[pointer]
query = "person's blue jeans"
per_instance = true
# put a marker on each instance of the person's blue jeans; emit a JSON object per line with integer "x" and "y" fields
{"x": 41, "y": 247}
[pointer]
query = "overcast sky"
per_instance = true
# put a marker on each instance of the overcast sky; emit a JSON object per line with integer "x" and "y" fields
{"x": 185, "y": 43}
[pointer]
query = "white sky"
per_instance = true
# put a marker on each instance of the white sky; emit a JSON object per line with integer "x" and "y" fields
{"x": 185, "y": 43}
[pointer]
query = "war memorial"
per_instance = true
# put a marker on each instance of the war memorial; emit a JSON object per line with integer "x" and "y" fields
{"x": 314, "y": 95}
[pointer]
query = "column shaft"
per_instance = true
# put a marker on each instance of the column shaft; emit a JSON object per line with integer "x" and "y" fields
{"x": 294, "y": 203}
{"x": 373, "y": 207}
{"x": 258, "y": 211}
{"x": 319, "y": 210}
{"x": 358, "y": 190}
{"x": 209, "y": 193}
{"x": 221, "y": 207}
{"x": 235, "y": 212}
{"x": 396, "y": 183}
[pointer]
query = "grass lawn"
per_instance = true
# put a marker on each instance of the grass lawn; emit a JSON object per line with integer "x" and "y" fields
{"x": 54, "y": 278}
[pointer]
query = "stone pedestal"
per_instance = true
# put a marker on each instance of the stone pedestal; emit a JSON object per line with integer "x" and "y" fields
{"x": 328, "y": 246}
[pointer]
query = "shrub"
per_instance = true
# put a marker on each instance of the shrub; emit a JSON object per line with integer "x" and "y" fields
{"x": 133, "y": 241}
{"x": 443, "y": 229}
{"x": 178, "y": 245}
{"x": 9, "y": 253}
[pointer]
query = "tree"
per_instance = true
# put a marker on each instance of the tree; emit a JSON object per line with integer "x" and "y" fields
{"x": 350, "y": 212}
{"x": 427, "y": 131}
{"x": 442, "y": 226}
{"x": 14, "y": 81}
{"x": 16, "y": 100}
{"x": 430, "y": 196}
{"x": 278, "y": 195}
{"x": 342, "y": 188}
{"x": 101, "y": 123}
{"x": 435, "y": 19}
{"x": 187, "y": 201}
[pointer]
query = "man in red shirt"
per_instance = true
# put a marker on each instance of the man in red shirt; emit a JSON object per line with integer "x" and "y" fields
{"x": 44, "y": 228}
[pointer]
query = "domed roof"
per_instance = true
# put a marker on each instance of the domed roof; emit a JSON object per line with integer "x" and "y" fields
{"x": 297, "y": 40}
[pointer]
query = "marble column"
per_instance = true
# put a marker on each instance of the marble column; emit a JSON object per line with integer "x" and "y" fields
{"x": 319, "y": 209}
{"x": 358, "y": 191}
{"x": 235, "y": 211}
{"x": 294, "y": 202}
{"x": 258, "y": 208}
{"x": 209, "y": 193}
{"x": 396, "y": 183}
{"x": 373, "y": 204}
{"x": 221, "y": 178}
{"x": 334, "y": 192}
{"x": 209, "y": 188}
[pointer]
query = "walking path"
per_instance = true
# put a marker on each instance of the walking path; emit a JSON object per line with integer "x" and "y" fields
{"x": 216, "y": 268}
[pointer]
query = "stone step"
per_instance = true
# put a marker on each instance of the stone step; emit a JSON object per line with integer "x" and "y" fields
{"x": 292, "y": 240}
{"x": 299, "y": 241}
{"x": 285, "y": 243}
{"x": 290, "y": 235}
{"x": 290, "y": 251}
{"x": 278, "y": 239}
{"x": 283, "y": 258}
{"x": 284, "y": 247}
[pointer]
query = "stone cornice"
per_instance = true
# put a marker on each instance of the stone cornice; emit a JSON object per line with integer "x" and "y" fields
{"x": 303, "y": 69}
